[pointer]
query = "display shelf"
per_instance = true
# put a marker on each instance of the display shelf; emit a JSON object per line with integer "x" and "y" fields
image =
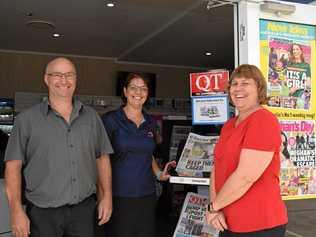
{"x": 173, "y": 108}
{"x": 6, "y": 115}
{"x": 189, "y": 180}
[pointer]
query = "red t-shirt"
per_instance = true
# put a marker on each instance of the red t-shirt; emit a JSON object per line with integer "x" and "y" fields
{"x": 261, "y": 207}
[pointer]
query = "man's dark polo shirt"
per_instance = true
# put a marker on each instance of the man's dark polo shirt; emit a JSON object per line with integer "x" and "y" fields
{"x": 59, "y": 158}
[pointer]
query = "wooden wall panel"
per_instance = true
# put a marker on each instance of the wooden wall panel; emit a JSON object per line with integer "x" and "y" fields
{"x": 24, "y": 72}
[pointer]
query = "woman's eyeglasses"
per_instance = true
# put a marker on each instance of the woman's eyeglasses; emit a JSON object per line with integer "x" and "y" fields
{"x": 142, "y": 89}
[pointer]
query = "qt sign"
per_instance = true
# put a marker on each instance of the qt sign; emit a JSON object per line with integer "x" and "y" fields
{"x": 208, "y": 83}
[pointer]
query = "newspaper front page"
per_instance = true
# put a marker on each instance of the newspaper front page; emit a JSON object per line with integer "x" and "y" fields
{"x": 197, "y": 156}
{"x": 192, "y": 219}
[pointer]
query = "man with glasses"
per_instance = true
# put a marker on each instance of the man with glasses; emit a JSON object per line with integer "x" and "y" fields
{"x": 62, "y": 148}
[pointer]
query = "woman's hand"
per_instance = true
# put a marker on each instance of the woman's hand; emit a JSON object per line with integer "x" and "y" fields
{"x": 216, "y": 220}
{"x": 165, "y": 173}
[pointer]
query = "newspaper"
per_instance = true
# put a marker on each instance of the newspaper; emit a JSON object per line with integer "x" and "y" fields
{"x": 192, "y": 219}
{"x": 197, "y": 155}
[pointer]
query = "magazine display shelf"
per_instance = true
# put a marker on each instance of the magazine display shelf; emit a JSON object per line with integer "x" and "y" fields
{"x": 6, "y": 115}
{"x": 173, "y": 108}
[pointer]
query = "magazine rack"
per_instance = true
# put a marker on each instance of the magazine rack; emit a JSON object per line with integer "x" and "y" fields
{"x": 212, "y": 130}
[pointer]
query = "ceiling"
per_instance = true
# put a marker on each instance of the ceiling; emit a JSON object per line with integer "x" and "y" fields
{"x": 171, "y": 32}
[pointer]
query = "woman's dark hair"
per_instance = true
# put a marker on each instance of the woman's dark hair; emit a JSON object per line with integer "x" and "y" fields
{"x": 292, "y": 59}
{"x": 285, "y": 151}
{"x": 251, "y": 72}
{"x": 129, "y": 78}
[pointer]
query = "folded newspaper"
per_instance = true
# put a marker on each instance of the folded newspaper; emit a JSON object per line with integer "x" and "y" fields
{"x": 192, "y": 219}
{"x": 197, "y": 155}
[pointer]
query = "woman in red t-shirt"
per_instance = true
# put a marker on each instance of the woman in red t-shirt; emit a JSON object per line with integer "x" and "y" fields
{"x": 245, "y": 192}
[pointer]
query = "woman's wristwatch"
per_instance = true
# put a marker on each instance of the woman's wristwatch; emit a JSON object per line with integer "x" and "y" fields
{"x": 210, "y": 208}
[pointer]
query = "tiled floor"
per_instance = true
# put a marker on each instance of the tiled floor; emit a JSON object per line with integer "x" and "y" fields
{"x": 302, "y": 221}
{"x": 164, "y": 228}
{"x": 302, "y": 218}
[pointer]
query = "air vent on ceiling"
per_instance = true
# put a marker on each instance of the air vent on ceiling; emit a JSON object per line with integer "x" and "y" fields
{"x": 40, "y": 25}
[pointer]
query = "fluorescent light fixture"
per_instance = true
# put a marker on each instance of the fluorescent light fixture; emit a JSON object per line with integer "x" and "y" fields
{"x": 110, "y": 4}
{"x": 277, "y": 8}
{"x": 56, "y": 35}
{"x": 208, "y": 53}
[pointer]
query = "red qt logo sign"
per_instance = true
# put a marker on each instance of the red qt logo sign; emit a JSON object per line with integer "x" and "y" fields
{"x": 207, "y": 83}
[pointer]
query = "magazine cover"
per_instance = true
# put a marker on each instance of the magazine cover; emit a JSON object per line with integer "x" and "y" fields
{"x": 298, "y": 165}
{"x": 192, "y": 219}
{"x": 287, "y": 60}
{"x": 289, "y": 81}
{"x": 197, "y": 155}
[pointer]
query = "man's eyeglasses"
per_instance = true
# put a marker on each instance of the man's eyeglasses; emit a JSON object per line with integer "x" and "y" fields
{"x": 142, "y": 89}
{"x": 69, "y": 76}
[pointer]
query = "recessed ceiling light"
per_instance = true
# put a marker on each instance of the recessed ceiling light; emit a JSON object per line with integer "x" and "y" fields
{"x": 56, "y": 35}
{"x": 208, "y": 53}
{"x": 110, "y": 4}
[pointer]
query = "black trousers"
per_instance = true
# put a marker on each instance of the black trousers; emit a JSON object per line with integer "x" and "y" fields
{"x": 132, "y": 217}
{"x": 66, "y": 221}
{"x": 278, "y": 231}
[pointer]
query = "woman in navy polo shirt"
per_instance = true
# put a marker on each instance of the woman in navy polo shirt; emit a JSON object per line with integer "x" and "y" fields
{"x": 132, "y": 134}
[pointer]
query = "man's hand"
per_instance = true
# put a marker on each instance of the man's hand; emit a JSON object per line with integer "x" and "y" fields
{"x": 20, "y": 223}
{"x": 104, "y": 210}
{"x": 216, "y": 220}
{"x": 104, "y": 189}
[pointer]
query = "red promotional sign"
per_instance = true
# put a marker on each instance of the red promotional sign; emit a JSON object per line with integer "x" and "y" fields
{"x": 208, "y": 83}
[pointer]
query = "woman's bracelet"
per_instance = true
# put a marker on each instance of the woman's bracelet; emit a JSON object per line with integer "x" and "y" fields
{"x": 158, "y": 174}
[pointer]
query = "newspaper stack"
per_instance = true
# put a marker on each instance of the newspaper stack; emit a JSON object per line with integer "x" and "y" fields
{"x": 197, "y": 156}
{"x": 192, "y": 219}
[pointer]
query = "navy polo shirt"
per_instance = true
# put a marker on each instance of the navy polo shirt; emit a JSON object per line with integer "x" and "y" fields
{"x": 132, "y": 158}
